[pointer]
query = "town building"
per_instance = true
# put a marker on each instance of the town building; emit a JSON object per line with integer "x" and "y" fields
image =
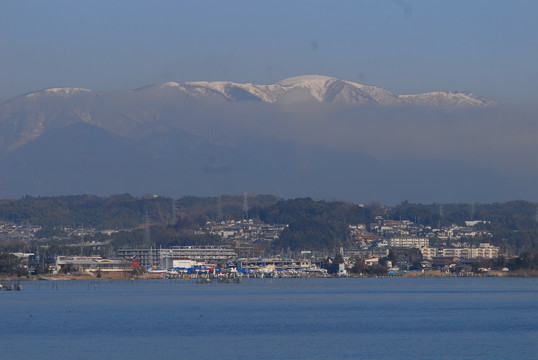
{"x": 484, "y": 251}
{"x": 162, "y": 258}
{"x": 92, "y": 264}
{"x": 409, "y": 242}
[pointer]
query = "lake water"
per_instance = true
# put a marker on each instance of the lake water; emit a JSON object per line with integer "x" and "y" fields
{"x": 389, "y": 318}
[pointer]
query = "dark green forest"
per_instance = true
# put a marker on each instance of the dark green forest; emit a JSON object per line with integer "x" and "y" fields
{"x": 318, "y": 225}
{"x": 122, "y": 211}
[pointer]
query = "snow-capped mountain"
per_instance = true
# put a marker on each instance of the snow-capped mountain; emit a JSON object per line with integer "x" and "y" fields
{"x": 62, "y": 91}
{"x": 307, "y": 136}
{"x": 320, "y": 88}
{"x": 323, "y": 89}
{"x": 132, "y": 113}
{"x": 440, "y": 98}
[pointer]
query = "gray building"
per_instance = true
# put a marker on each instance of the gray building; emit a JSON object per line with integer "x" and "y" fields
{"x": 162, "y": 257}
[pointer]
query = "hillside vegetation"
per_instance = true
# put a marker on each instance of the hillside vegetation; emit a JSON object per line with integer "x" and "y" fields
{"x": 316, "y": 225}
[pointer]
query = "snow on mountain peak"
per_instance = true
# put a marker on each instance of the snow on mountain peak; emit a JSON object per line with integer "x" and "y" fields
{"x": 171, "y": 84}
{"x": 63, "y": 91}
{"x": 305, "y": 80}
{"x": 321, "y": 88}
{"x": 442, "y": 98}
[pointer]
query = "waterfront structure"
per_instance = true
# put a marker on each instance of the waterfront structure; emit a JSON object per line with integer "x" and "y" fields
{"x": 145, "y": 257}
{"x": 275, "y": 263}
{"x": 162, "y": 258}
{"x": 204, "y": 253}
{"x": 91, "y": 264}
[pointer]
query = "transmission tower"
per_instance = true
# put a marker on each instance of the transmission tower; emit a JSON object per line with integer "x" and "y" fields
{"x": 440, "y": 215}
{"x": 219, "y": 209}
{"x": 37, "y": 252}
{"x": 473, "y": 210}
{"x": 147, "y": 239}
{"x": 245, "y": 204}
{"x": 82, "y": 241}
{"x": 174, "y": 213}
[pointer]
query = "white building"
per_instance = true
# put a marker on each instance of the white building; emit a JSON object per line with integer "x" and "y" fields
{"x": 409, "y": 242}
{"x": 484, "y": 250}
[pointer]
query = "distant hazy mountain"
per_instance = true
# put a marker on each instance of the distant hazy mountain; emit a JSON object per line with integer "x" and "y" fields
{"x": 198, "y": 137}
{"x": 321, "y": 88}
{"x": 131, "y": 113}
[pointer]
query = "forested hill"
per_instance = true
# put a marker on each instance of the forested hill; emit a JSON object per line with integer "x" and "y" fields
{"x": 514, "y": 215}
{"x": 123, "y": 211}
{"x": 514, "y": 224}
{"x": 319, "y": 225}
{"x": 312, "y": 224}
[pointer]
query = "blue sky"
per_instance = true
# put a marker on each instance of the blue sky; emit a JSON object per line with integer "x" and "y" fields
{"x": 483, "y": 46}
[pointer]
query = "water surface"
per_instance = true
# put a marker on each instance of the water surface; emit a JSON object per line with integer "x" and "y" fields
{"x": 390, "y": 318}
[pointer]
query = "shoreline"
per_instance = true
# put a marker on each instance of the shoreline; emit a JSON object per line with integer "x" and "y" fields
{"x": 127, "y": 277}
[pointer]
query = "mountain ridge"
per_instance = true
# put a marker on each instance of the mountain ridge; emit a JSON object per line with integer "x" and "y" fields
{"x": 321, "y": 88}
{"x": 308, "y": 135}
{"x": 327, "y": 89}
{"x": 133, "y": 113}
